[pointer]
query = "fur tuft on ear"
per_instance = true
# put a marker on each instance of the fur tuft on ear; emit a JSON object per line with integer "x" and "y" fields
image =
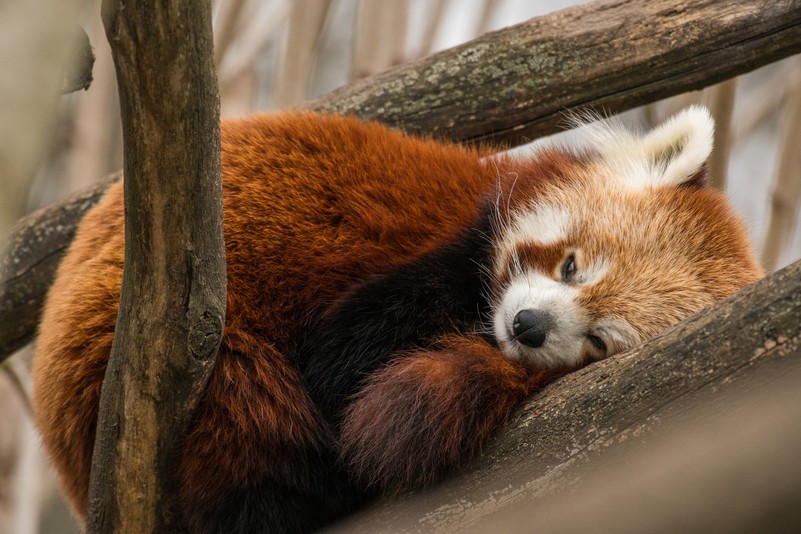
{"x": 672, "y": 154}
{"x": 677, "y": 150}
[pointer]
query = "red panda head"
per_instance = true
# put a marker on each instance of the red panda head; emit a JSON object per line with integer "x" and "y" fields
{"x": 595, "y": 251}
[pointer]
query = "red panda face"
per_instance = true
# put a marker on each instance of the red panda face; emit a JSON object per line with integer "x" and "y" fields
{"x": 597, "y": 252}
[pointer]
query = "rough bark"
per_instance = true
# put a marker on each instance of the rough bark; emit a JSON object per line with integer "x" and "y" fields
{"x": 734, "y": 355}
{"x": 172, "y": 300}
{"x": 32, "y": 253}
{"x": 515, "y": 84}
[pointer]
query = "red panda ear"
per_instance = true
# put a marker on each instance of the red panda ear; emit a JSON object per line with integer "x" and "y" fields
{"x": 699, "y": 179}
{"x": 672, "y": 154}
{"x": 677, "y": 150}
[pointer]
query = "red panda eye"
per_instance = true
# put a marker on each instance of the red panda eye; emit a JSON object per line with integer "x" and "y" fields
{"x": 569, "y": 269}
{"x": 598, "y": 343}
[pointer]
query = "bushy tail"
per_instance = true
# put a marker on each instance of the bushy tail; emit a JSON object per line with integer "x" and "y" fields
{"x": 431, "y": 410}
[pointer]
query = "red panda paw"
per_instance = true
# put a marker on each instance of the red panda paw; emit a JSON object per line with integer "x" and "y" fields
{"x": 429, "y": 411}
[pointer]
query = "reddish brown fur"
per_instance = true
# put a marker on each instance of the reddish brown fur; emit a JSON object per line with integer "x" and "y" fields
{"x": 530, "y": 179}
{"x": 671, "y": 250}
{"x": 545, "y": 258}
{"x": 534, "y": 177}
{"x": 716, "y": 260}
{"x": 429, "y": 411}
{"x": 304, "y": 222}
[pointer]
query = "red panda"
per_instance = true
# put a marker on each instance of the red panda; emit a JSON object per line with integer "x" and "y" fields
{"x": 391, "y": 301}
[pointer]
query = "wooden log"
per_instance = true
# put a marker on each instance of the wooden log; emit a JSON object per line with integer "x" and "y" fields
{"x": 732, "y": 355}
{"x": 33, "y": 251}
{"x": 172, "y": 302}
{"x": 516, "y": 84}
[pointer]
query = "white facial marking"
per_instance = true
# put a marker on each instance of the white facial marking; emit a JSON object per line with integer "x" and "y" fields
{"x": 539, "y": 224}
{"x": 535, "y": 291}
{"x": 543, "y": 224}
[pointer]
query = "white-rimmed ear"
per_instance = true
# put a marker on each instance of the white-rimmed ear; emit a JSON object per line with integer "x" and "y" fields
{"x": 677, "y": 149}
{"x": 672, "y": 154}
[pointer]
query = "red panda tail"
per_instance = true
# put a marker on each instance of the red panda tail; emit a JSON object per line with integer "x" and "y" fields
{"x": 426, "y": 413}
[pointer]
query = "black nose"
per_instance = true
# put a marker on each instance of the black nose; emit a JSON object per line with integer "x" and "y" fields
{"x": 531, "y": 327}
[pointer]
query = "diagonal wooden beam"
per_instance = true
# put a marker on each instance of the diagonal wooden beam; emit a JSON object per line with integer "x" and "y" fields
{"x": 514, "y": 85}
{"x": 735, "y": 365}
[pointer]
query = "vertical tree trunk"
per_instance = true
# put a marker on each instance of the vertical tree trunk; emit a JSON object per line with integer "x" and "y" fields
{"x": 173, "y": 289}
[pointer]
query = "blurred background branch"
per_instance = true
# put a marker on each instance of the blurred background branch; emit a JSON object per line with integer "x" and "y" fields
{"x": 78, "y": 71}
{"x": 43, "y": 53}
{"x": 787, "y": 185}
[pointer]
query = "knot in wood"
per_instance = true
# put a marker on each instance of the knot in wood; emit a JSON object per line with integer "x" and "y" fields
{"x": 205, "y": 335}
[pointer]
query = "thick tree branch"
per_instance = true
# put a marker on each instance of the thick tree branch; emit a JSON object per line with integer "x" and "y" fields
{"x": 172, "y": 301}
{"x": 32, "y": 253}
{"x": 731, "y": 354}
{"x": 516, "y": 83}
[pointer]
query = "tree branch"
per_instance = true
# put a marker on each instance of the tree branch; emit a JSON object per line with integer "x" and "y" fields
{"x": 172, "y": 301}
{"x": 33, "y": 251}
{"x": 743, "y": 344}
{"x": 78, "y": 74}
{"x": 515, "y": 84}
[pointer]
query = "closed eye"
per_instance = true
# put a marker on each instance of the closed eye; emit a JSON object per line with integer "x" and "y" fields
{"x": 568, "y": 271}
{"x": 598, "y": 343}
